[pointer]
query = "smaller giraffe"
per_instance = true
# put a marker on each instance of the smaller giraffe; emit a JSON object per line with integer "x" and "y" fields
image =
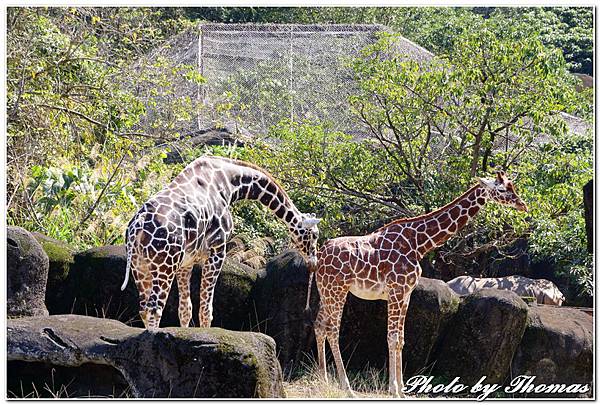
{"x": 384, "y": 265}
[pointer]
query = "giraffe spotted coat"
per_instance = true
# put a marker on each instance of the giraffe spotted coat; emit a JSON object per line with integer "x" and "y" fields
{"x": 385, "y": 265}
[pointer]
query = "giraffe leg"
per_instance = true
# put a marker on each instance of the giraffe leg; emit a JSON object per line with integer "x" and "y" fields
{"x": 397, "y": 305}
{"x": 210, "y": 273}
{"x": 161, "y": 285}
{"x": 320, "y": 338}
{"x": 402, "y": 320}
{"x": 185, "y": 301}
{"x": 333, "y": 315}
{"x": 143, "y": 282}
{"x": 144, "y": 287}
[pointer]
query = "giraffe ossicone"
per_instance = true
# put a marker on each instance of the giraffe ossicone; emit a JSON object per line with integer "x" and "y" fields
{"x": 189, "y": 222}
{"x": 385, "y": 265}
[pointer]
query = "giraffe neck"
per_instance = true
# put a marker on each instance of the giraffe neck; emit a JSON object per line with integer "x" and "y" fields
{"x": 434, "y": 229}
{"x": 426, "y": 232}
{"x": 252, "y": 184}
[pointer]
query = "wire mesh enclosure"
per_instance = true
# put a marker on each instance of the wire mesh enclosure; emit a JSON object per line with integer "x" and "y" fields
{"x": 263, "y": 73}
{"x": 259, "y": 74}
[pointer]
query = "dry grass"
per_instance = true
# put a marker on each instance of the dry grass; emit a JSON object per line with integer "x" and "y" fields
{"x": 308, "y": 383}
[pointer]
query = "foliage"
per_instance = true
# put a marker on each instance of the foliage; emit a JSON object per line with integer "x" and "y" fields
{"x": 91, "y": 112}
{"x": 75, "y": 140}
{"x": 554, "y": 179}
{"x": 567, "y": 28}
{"x": 325, "y": 172}
{"x": 492, "y": 102}
{"x": 481, "y": 105}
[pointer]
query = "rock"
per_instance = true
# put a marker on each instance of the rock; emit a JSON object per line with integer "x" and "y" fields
{"x": 432, "y": 306}
{"x": 170, "y": 363}
{"x": 545, "y": 267}
{"x": 27, "y": 273}
{"x": 557, "y": 348}
{"x": 585, "y": 81}
{"x": 233, "y": 307}
{"x": 229, "y": 134}
{"x": 363, "y": 335}
{"x": 61, "y": 257}
{"x": 94, "y": 288}
{"x": 588, "y": 209}
{"x": 483, "y": 337}
{"x": 280, "y": 298}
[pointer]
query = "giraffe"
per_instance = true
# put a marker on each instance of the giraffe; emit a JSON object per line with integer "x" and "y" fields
{"x": 385, "y": 265}
{"x": 189, "y": 221}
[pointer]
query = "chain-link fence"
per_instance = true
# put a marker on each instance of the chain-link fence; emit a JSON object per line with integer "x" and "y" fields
{"x": 265, "y": 73}
{"x": 258, "y": 74}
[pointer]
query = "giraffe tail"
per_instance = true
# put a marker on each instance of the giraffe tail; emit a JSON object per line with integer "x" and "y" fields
{"x": 310, "y": 279}
{"x": 130, "y": 248}
{"x": 127, "y": 270}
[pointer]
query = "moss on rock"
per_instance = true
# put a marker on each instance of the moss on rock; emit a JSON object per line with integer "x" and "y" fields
{"x": 60, "y": 256}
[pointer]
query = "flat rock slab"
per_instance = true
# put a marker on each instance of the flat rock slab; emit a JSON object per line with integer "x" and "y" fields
{"x": 168, "y": 363}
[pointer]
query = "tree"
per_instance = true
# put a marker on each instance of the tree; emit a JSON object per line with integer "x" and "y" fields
{"x": 569, "y": 29}
{"x": 74, "y": 119}
{"x": 493, "y": 101}
{"x": 489, "y": 90}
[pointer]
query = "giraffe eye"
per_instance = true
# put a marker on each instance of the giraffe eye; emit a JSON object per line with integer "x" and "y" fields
{"x": 502, "y": 189}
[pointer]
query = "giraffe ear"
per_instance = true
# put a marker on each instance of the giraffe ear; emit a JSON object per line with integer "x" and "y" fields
{"x": 310, "y": 221}
{"x": 487, "y": 183}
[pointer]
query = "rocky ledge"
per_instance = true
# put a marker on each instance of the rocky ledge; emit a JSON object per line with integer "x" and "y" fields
{"x": 121, "y": 361}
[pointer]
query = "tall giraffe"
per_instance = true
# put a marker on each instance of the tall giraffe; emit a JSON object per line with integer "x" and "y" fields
{"x": 189, "y": 222}
{"x": 384, "y": 265}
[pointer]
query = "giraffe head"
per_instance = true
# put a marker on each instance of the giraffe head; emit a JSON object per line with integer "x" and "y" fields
{"x": 502, "y": 191}
{"x": 306, "y": 237}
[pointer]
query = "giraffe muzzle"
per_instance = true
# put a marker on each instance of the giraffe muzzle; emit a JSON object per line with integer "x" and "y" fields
{"x": 521, "y": 206}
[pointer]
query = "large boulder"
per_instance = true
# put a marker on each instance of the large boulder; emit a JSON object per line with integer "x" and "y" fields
{"x": 432, "y": 307}
{"x": 27, "y": 273}
{"x": 169, "y": 363}
{"x": 483, "y": 337}
{"x": 61, "y": 257}
{"x": 363, "y": 334}
{"x": 281, "y": 300}
{"x": 557, "y": 348}
{"x": 94, "y": 288}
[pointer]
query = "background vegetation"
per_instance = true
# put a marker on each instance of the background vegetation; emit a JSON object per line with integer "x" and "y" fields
{"x": 80, "y": 82}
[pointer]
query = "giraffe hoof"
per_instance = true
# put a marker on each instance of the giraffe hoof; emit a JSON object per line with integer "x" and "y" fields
{"x": 397, "y": 394}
